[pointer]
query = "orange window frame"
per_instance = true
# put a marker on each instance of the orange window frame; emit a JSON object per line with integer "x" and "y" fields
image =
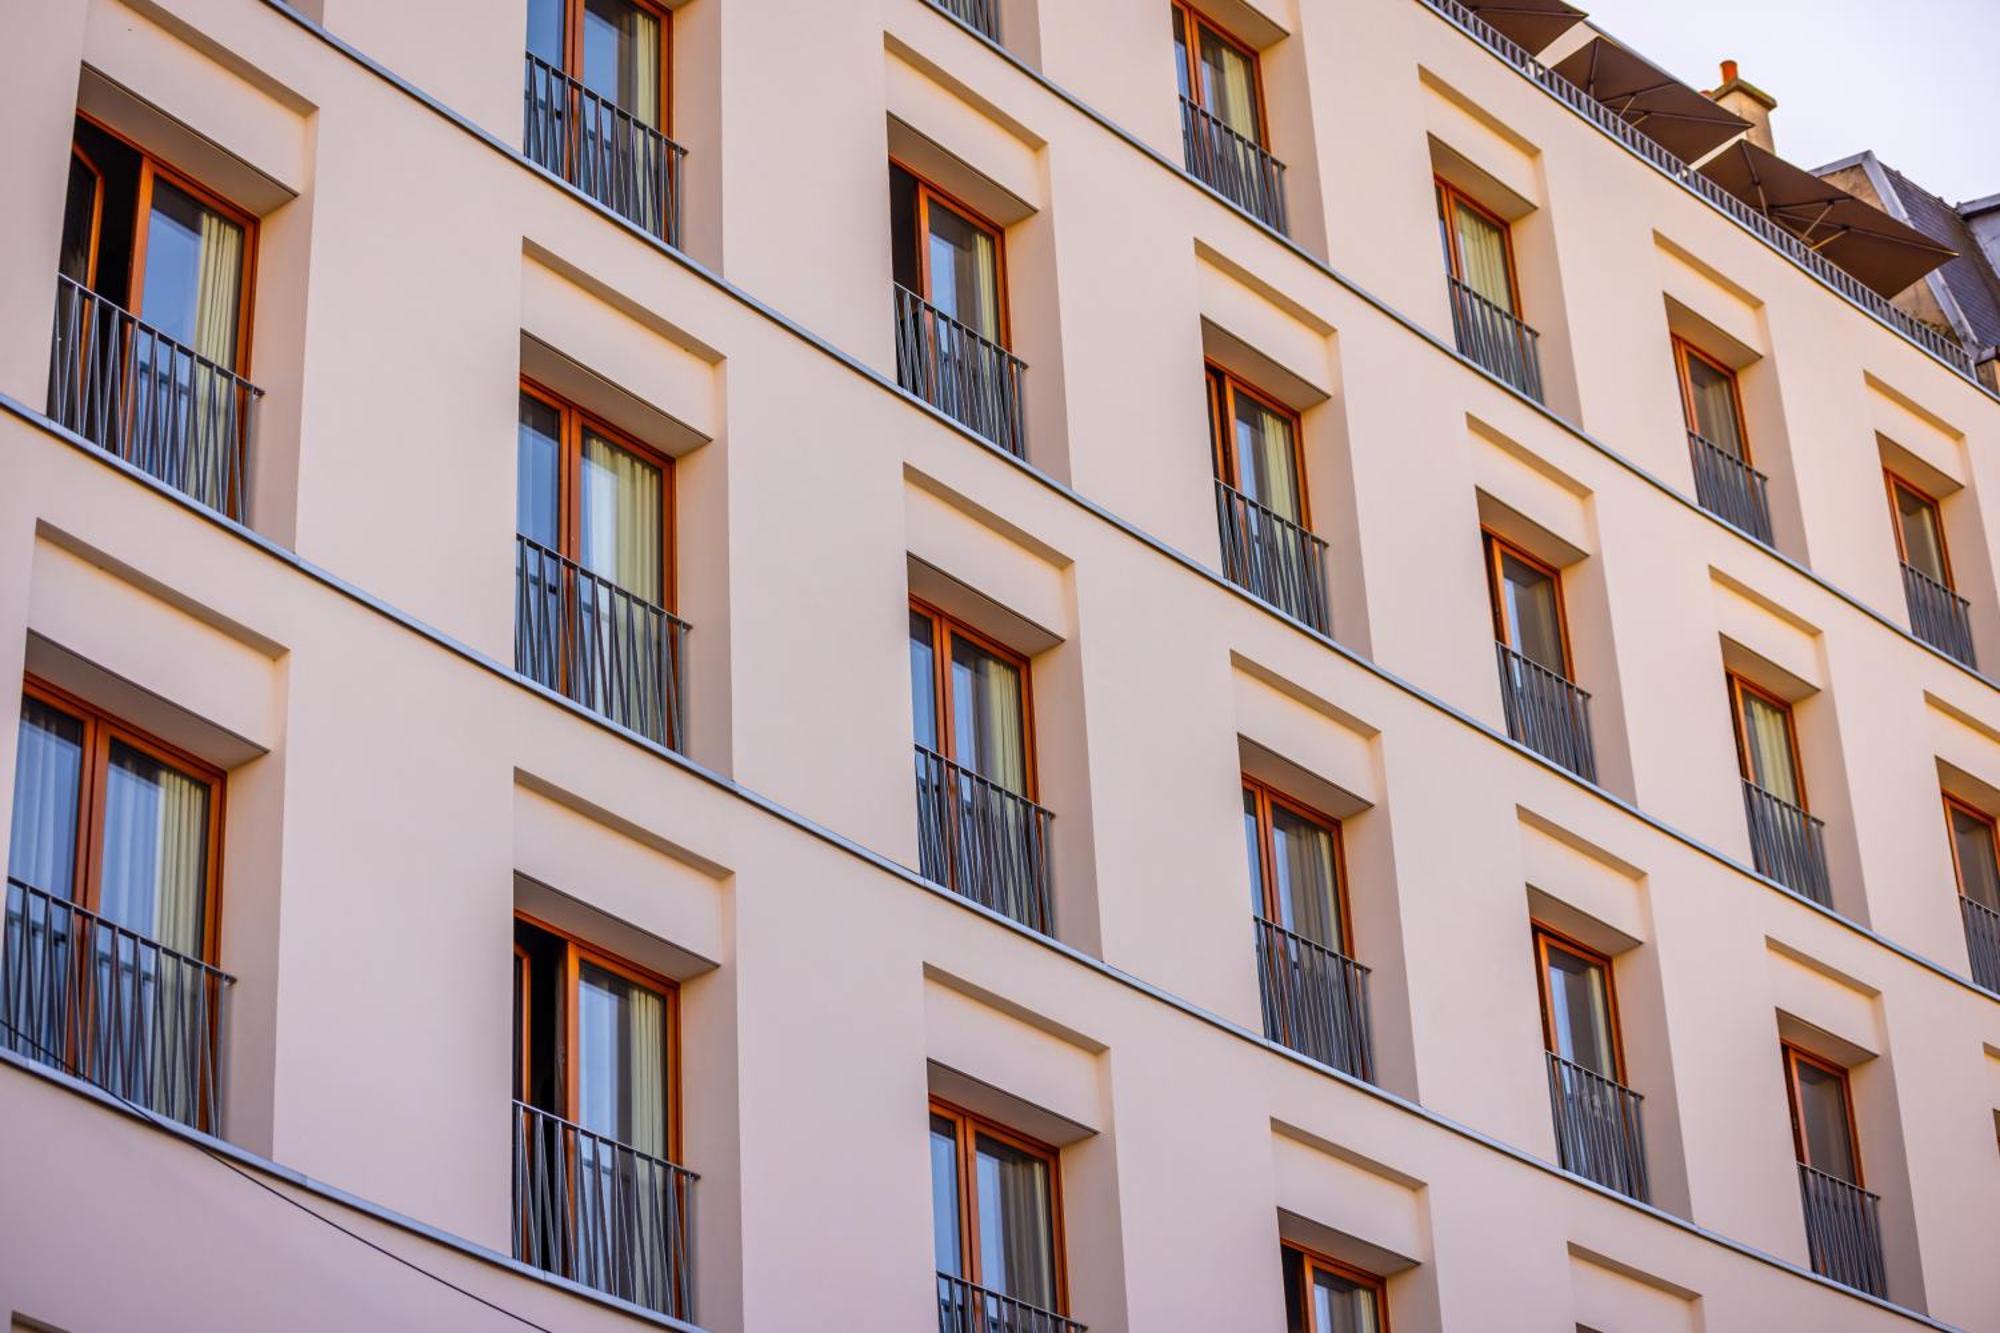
{"x": 572, "y": 422}
{"x": 1269, "y": 798}
{"x": 1193, "y": 23}
{"x": 100, "y": 729}
{"x": 1223, "y": 388}
{"x": 1450, "y": 197}
{"x": 1738, "y": 688}
{"x": 944, "y": 628}
{"x": 966, "y": 1127}
{"x": 1498, "y": 547}
{"x": 1548, "y": 938}
{"x": 1311, "y": 1261}
{"x": 1795, "y": 1056}
{"x": 1684, "y": 351}
{"x": 96, "y": 212}
{"x": 576, "y": 952}
{"x": 1930, "y": 502}
{"x": 151, "y": 169}
{"x": 573, "y": 52}
{"x": 1954, "y": 804}
{"x": 928, "y": 192}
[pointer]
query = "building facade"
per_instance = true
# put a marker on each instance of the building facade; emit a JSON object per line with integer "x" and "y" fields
{"x": 1130, "y": 665}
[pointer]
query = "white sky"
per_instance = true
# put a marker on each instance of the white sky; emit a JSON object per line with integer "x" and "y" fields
{"x": 1916, "y": 80}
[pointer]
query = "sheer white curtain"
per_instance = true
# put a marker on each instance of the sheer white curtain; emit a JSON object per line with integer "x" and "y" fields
{"x": 1266, "y": 461}
{"x": 986, "y": 699}
{"x": 154, "y": 856}
{"x": 48, "y": 772}
{"x": 1307, "y": 878}
{"x": 622, "y": 515}
{"x": 1016, "y": 1224}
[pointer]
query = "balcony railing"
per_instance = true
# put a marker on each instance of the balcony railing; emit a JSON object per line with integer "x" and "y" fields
{"x": 1235, "y": 167}
{"x": 1982, "y": 942}
{"x": 585, "y": 637}
{"x": 968, "y": 377}
{"x": 984, "y": 842}
{"x": 1731, "y": 489}
{"x": 1843, "y": 1231}
{"x": 965, "y": 1308}
{"x": 1273, "y": 558}
{"x": 1939, "y": 616}
{"x": 1939, "y": 344}
{"x": 603, "y": 1214}
{"x": 983, "y": 16}
{"x": 1598, "y": 1131}
{"x": 114, "y": 1008}
{"x": 155, "y": 403}
{"x": 1546, "y": 713}
{"x": 1497, "y": 339}
{"x": 602, "y": 149}
{"x": 1315, "y": 1000}
{"x": 1787, "y": 844}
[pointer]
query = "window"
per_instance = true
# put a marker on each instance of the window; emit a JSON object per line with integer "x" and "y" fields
{"x": 1323, "y": 1295}
{"x": 1256, "y": 443}
{"x": 1579, "y": 1008}
{"x": 1219, "y": 74}
{"x": 594, "y": 497}
{"x": 1478, "y": 248}
{"x": 1527, "y": 605}
{"x": 1710, "y": 402}
{"x": 1766, "y": 742}
{"x": 115, "y": 822}
{"x": 948, "y": 254}
{"x": 617, "y": 49}
{"x": 1296, "y": 872}
{"x": 1822, "y": 1116}
{"x": 996, "y": 1209}
{"x": 969, "y": 700}
{"x": 1919, "y": 531}
{"x": 1973, "y": 854}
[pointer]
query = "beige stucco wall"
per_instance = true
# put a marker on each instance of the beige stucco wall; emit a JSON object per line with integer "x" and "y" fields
{"x": 405, "y": 788}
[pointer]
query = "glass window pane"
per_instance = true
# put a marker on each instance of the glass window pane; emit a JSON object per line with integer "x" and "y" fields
{"x": 1303, "y": 867}
{"x": 1341, "y": 1306}
{"x": 1229, "y": 86}
{"x": 944, "y": 1196}
{"x": 79, "y": 225}
{"x": 1823, "y": 1121}
{"x": 1266, "y": 461}
{"x": 987, "y": 732}
{"x": 1016, "y": 1225}
{"x": 621, "y": 57}
{"x": 1482, "y": 257}
{"x": 545, "y": 30}
{"x": 965, "y": 272}
{"x": 621, "y": 1055}
{"x": 48, "y": 794}
{"x": 1715, "y": 416}
{"x": 923, "y": 680}
{"x": 1181, "y": 52}
{"x": 1978, "y": 873}
{"x": 1533, "y": 613}
{"x": 194, "y": 269}
{"x": 619, "y": 517}
{"x": 1580, "y": 1011}
{"x": 1253, "y": 845}
{"x": 1923, "y": 545}
{"x": 155, "y": 851}
{"x": 538, "y": 472}
{"x": 1767, "y": 737}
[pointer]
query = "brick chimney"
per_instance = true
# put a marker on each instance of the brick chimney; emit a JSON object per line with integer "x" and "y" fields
{"x": 1748, "y": 101}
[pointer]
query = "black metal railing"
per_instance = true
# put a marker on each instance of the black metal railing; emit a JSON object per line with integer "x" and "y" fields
{"x": 1233, "y": 165}
{"x": 105, "y": 1003}
{"x": 1315, "y": 1000}
{"x": 1843, "y": 1231}
{"x": 1546, "y": 713}
{"x": 966, "y": 1308}
{"x": 155, "y": 403}
{"x": 1731, "y": 489}
{"x": 602, "y": 149}
{"x": 603, "y": 1214}
{"x": 983, "y": 16}
{"x": 963, "y": 374}
{"x": 1982, "y": 942}
{"x": 1787, "y": 844}
{"x": 983, "y": 841}
{"x": 585, "y": 637}
{"x": 1598, "y": 1131}
{"x": 1939, "y": 616}
{"x": 1938, "y": 343}
{"x": 1273, "y": 558}
{"x": 1497, "y": 339}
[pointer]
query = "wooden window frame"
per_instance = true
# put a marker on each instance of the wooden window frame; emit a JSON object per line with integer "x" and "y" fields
{"x": 1795, "y": 1055}
{"x": 968, "y": 1125}
{"x": 928, "y": 192}
{"x": 100, "y": 729}
{"x": 1222, "y": 386}
{"x": 1896, "y": 483}
{"x": 1496, "y": 548}
{"x": 576, "y": 952}
{"x": 96, "y": 211}
{"x": 152, "y": 169}
{"x": 1548, "y": 937}
{"x": 1740, "y": 686}
{"x": 572, "y": 422}
{"x": 572, "y": 54}
{"x": 1309, "y": 1260}
{"x": 1269, "y": 798}
{"x": 944, "y": 626}
{"x": 1683, "y": 351}
{"x": 1192, "y": 22}
{"x": 1951, "y": 804}
{"x": 1449, "y": 196}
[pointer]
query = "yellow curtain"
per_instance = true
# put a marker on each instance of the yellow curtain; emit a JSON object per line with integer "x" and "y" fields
{"x": 182, "y": 863}
{"x": 1231, "y": 86}
{"x": 1306, "y": 879}
{"x": 1482, "y": 254}
{"x": 647, "y": 1090}
{"x": 213, "y": 428}
{"x": 1001, "y": 741}
{"x": 642, "y": 39}
{"x": 1265, "y": 458}
{"x": 1770, "y": 741}
{"x": 622, "y": 514}
{"x": 985, "y": 292}
{"x": 1715, "y": 407}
